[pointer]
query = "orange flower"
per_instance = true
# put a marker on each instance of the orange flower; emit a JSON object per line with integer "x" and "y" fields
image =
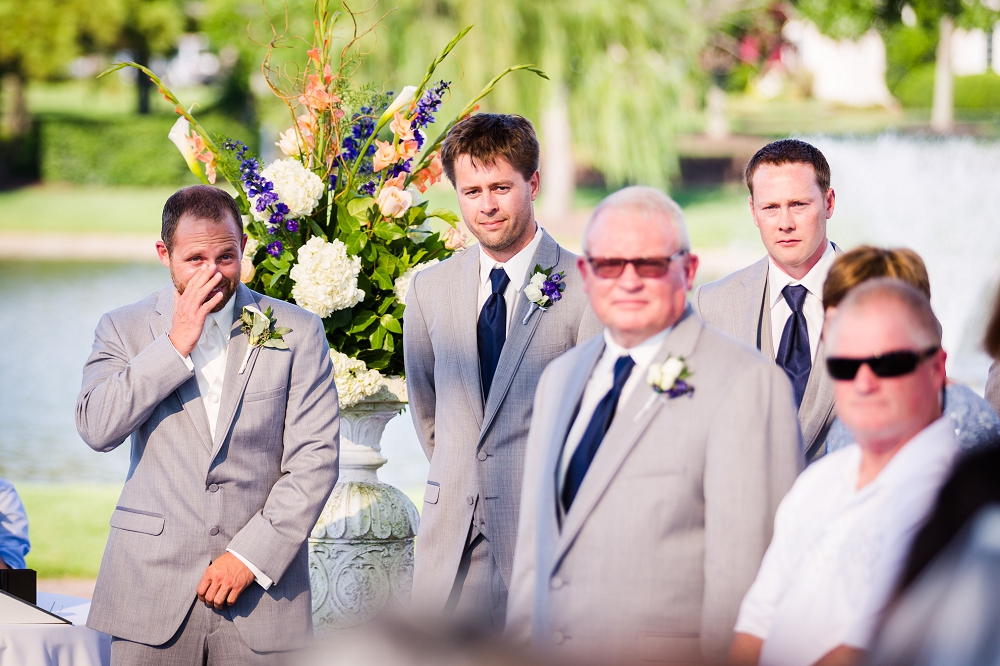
{"x": 315, "y": 96}
{"x": 313, "y": 54}
{"x": 397, "y": 181}
{"x": 203, "y": 155}
{"x": 402, "y": 127}
{"x": 429, "y": 174}
{"x": 407, "y": 149}
{"x": 384, "y": 155}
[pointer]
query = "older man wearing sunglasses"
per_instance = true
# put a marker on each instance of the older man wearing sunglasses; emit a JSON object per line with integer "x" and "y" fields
{"x": 842, "y": 533}
{"x": 657, "y": 455}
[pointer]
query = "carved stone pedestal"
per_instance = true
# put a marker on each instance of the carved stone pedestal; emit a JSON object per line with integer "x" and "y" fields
{"x": 361, "y": 550}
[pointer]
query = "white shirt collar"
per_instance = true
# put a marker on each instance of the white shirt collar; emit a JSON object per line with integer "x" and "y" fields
{"x": 224, "y": 317}
{"x": 937, "y": 440}
{"x": 516, "y": 267}
{"x": 642, "y": 353}
{"x": 813, "y": 280}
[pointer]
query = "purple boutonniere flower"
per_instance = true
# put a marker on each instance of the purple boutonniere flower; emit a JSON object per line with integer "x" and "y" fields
{"x": 543, "y": 289}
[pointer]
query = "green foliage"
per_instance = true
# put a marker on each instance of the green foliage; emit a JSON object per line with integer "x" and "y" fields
{"x": 980, "y": 92}
{"x": 126, "y": 151}
{"x": 68, "y": 526}
{"x": 906, "y": 49}
{"x": 916, "y": 89}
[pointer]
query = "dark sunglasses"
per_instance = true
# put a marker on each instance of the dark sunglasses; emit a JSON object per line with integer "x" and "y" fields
{"x": 892, "y": 364}
{"x": 653, "y": 267}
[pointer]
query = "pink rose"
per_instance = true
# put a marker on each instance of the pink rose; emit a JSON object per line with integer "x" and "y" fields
{"x": 384, "y": 156}
{"x": 394, "y": 202}
{"x": 454, "y": 238}
{"x": 402, "y": 127}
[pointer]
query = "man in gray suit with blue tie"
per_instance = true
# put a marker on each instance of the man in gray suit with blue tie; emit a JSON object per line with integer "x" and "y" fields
{"x": 776, "y": 304}
{"x": 234, "y": 453}
{"x": 478, "y": 331}
{"x": 657, "y": 456}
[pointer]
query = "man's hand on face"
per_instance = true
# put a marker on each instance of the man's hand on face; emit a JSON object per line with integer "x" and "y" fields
{"x": 224, "y": 581}
{"x": 191, "y": 309}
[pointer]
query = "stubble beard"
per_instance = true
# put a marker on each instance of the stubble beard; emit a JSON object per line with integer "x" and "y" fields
{"x": 228, "y": 289}
{"x": 509, "y": 235}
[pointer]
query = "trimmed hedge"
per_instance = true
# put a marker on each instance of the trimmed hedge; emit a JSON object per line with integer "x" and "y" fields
{"x": 980, "y": 92}
{"x": 126, "y": 151}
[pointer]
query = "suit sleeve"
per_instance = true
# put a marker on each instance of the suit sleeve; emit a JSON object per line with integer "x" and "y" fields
{"x": 418, "y": 360}
{"x": 752, "y": 458}
{"x": 120, "y": 393}
{"x": 696, "y": 302}
{"x": 309, "y": 463}
{"x": 520, "y": 600}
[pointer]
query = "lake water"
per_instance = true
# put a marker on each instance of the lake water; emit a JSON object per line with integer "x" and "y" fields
{"x": 49, "y": 311}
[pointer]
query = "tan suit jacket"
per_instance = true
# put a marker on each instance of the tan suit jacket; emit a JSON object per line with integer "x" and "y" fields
{"x": 674, "y": 515}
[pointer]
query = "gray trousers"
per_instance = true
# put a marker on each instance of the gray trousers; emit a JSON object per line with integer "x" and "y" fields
{"x": 207, "y": 637}
{"x": 479, "y": 596}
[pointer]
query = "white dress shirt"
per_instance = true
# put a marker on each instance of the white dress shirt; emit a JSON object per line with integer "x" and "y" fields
{"x": 600, "y": 382}
{"x": 838, "y": 550}
{"x": 208, "y": 361}
{"x": 516, "y": 267}
{"x": 813, "y": 281}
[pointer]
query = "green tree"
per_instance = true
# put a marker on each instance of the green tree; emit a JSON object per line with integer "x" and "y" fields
{"x": 852, "y": 18}
{"x": 38, "y": 38}
{"x": 148, "y": 28}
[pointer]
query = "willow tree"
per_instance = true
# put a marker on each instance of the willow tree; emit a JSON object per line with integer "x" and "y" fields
{"x": 617, "y": 72}
{"x": 851, "y": 19}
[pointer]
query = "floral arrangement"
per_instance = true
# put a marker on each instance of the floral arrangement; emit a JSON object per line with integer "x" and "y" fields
{"x": 339, "y": 225}
{"x": 543, "y": 289}
{"x": 670, "y": 377}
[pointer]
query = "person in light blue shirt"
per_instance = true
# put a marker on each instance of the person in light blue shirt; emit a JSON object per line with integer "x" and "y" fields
{"x": 976, "y": 423}
{"x": 14, "y": 544}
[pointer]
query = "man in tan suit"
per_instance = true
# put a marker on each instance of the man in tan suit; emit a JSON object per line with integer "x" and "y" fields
{"x": 646, "y": 509}
{"x": 776, "y": 304}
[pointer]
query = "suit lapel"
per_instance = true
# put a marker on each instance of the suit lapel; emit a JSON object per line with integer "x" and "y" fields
{"x": 628, "y": 425}
{"x": 518, "y": 335}
{"x": 234, "y": 384}
{"x": 465, "y": 297}
{"x": 188, "y": 392}
{"x": 756, "y": 319}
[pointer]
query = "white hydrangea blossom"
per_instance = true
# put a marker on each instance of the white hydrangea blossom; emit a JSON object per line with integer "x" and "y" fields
{"x": 252, "y": 245}
{"x": 296, "y": 186}
{"x": 354, "y": 380}
{"x": 326, "y": 277}
{"x": 402, "y": 284}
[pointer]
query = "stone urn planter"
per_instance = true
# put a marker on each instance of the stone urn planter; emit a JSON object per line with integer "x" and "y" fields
{"x": 361, "y": 550}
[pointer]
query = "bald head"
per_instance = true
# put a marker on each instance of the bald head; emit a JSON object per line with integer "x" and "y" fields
{"x": 643, "y": 202}
{"x": 918, "y": 320}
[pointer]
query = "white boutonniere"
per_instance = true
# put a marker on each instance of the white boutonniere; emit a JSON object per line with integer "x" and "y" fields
{"x": 261, "y": 331}
{"x": 543, "y": 289}
{"x": 670, "y": 377}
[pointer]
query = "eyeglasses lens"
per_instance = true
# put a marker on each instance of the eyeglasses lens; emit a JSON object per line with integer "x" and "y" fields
{"x": 647, "y": 268}
{"x": 893, "y": 364}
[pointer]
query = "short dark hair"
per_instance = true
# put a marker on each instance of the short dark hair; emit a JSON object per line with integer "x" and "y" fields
{"x": 202, "y": 201}
{"x": 485, "y": 137}
{"x": 790, "y": 151}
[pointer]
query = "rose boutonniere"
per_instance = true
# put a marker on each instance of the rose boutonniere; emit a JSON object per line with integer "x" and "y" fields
{"x": 670, "y": 377}
{"x": 261, "y": 331}
{"x": 543, "y": 289}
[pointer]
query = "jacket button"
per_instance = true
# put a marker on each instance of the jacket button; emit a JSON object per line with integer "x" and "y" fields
{"x": 213, "y": 531}
{"x": 470, "y": 499}
{"x": 482, "y": 455}
{"x": 214, "y": 488}
{"x": 558, "y": 638}
{"x": 557, "y": 582}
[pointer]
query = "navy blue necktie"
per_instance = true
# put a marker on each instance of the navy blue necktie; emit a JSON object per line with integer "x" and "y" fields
{"x": 596, "y": 429}
{"x": 492, "y": 329}
{"x": 794, "y": 356}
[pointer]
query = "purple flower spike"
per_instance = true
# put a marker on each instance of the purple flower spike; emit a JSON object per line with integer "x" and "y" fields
{"x": 274, "y": 249}
{"x": 292, "y": 226}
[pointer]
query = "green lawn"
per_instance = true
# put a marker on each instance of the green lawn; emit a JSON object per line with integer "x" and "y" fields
{"x": 68, "y": 527}
{"x": 79, "y": 209}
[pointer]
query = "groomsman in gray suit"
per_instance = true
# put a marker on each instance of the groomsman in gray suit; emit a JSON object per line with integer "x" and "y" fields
{"x": 657, "y": 456}
{"x": 476, "y": 342}
{"x": 776, "y": 304}
{"x": 234, "y": 453}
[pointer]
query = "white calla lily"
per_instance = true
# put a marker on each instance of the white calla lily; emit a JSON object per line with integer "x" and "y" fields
{"x": 178, "y": 135}
{"x": 404, "y": 97}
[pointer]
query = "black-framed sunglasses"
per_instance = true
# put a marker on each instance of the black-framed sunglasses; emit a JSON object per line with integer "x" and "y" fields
{"x": 891, "y": 364}
{"x": 609, "y": 268}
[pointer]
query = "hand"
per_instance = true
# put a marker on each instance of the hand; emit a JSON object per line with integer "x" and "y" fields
{"x": 191, "y": 309}
{"x": 224, "y": 581}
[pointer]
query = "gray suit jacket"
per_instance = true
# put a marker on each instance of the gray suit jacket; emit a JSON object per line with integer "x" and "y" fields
{"x": 477, "y": 450}
{"x": 257, "y": 488}
{"x": 673, "y": 517}
{"x": 737, "y": 305}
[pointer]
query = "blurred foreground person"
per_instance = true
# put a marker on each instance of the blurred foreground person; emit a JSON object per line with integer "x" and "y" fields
{"x": 842, "y": 533}
{"x": 950, "y": 614}
{"x": 234, "y": 452}
{"x": 475, "y": 345}
{"x": 657, "y": 455}
{"x": 14, "y": 544}
{"x": 976, "y": 423}
{"x": 776, "y": 303}
{"x": 992, "y": 344}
